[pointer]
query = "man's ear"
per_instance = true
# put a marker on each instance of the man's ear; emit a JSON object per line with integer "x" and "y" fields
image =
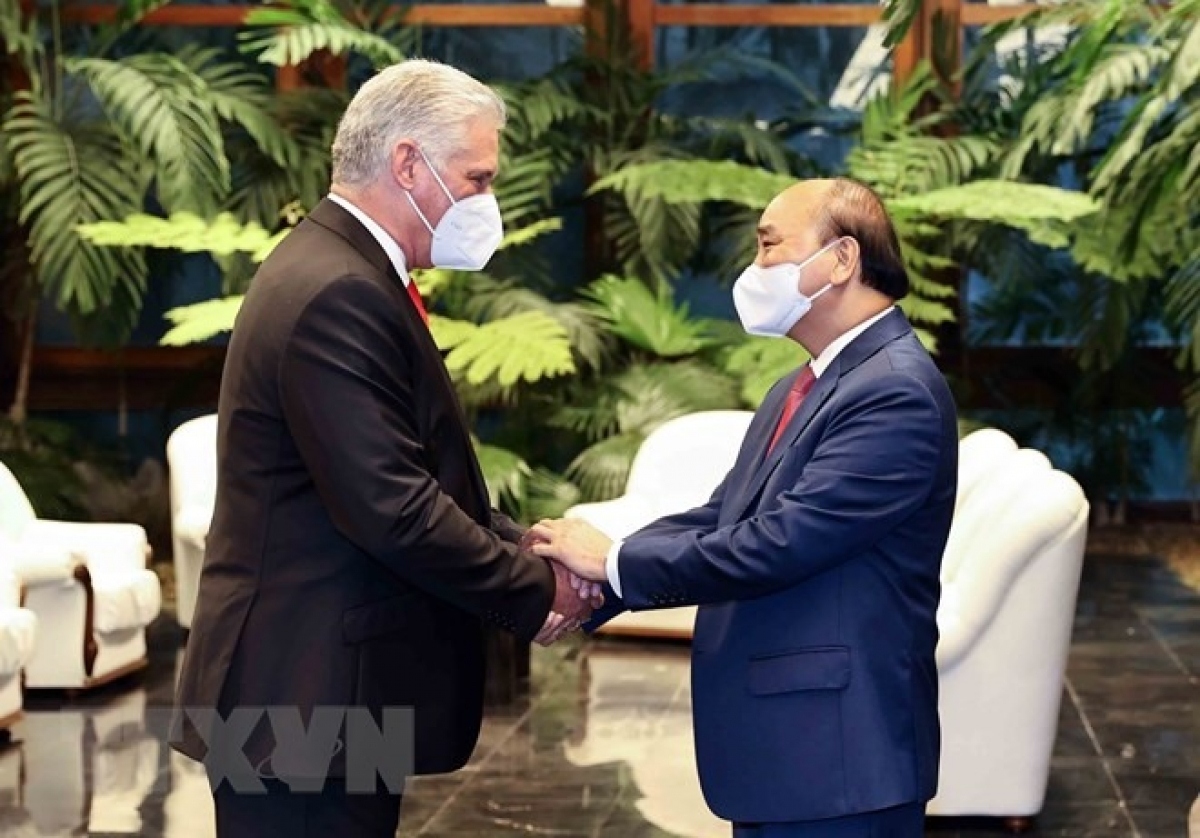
{"x": 848, "y": 260}
{"x": 405, "y": 157}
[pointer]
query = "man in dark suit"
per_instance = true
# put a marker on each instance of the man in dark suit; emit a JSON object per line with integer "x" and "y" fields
{"x": 353, "y": 559}
{"x": 815, "y": 564}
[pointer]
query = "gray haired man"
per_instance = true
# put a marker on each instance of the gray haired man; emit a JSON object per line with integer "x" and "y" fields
{"x": 353, "y": 559}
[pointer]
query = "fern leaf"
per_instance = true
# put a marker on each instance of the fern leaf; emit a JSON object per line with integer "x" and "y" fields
{"x": 73, "y": 172}
{"x": 1000, "y": 202}
{"x": 243, "y": 98}
{"x": 505, "y": 473}
{"x": 159, "y": 105}
{"x": 647, "y": 321}
{"x": 602, "y": 470}
{"x": 201, "y": 321}
{"x": 185, "y": 231}
{"x": 655, "y": 392}
{"x": 696, "y": 181}
{"x": 529, "y": 346}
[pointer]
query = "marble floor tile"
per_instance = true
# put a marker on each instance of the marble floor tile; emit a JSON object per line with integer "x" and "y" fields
{"x": 601, "y": 746}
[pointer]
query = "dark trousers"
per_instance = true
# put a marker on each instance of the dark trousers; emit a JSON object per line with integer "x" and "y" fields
{"x": 899, "y": 822}
{"x": 281, "y": 813}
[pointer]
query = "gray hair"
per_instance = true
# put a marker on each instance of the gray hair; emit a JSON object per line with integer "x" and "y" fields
{"x": 430, "y": 102}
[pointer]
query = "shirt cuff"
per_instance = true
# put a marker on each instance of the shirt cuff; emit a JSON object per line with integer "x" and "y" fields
{"x": 610, "y": 567}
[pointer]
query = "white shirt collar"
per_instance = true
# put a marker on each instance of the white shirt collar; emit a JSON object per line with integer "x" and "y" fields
{"x": 822, "y": 361}
{"x": 393, "y": 251}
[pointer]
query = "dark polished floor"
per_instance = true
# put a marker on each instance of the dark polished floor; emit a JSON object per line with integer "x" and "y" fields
{"x": 602, "y": 747}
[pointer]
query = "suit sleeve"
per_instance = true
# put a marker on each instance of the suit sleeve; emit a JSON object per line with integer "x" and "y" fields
{"x": 506, "y": 527}
{"x": 347, "y": 391}
{"x": 873, "y": 467}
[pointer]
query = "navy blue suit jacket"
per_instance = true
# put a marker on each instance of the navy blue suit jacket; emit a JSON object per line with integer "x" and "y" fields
{"x": 814, "y": 685}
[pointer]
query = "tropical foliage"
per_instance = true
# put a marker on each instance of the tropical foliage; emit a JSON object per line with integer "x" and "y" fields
{"x": 1062, "y": 185}
{"x": 1108, "y": 102}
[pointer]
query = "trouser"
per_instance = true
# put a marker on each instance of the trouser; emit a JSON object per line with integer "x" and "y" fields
{"x": 282, "y": 813}
{"x": 906, "y": 821}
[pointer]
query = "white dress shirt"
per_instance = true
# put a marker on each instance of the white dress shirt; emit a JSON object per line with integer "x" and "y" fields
{"x": 819, "y": 365}
{"x": 393, "y": 251}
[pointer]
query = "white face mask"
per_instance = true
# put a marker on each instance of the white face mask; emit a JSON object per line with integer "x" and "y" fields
{"x": 769, "y": 301}
{"x": 469, "y": 232}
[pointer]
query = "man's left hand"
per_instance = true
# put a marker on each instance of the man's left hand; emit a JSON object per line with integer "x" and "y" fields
{"x": 579, "y": 546}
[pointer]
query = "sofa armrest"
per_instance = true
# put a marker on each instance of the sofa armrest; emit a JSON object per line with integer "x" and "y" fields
{"x": 192, "y": 522}
{"x": 37, "y": 564}
{"x": 105, "y": 548}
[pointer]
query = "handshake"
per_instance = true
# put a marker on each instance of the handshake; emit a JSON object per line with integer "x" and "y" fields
{"x": 578, "y": 553}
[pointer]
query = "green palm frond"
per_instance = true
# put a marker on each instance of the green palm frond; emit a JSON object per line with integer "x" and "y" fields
{"x": 295, "y": 29}
{"x": 21, "y": 38}
{"x": 913, "y": 164}
{"x": 489, "y": 299}
{"x": 1124, "y": 71}
{"x": 201, "y": 321}
{"x": 1120, "y": 246}
{"x": 547, "y": 495}
{"x": 652, "y": 393}
{"x": 529, "y": 346}
{"x": 601, "y": 470}
{"x": 645, "y": 320}
{"x": 261, "y": 186}
{"x": 505, "y": 472}
{"x": 760, "y": 362}
{"x": 185, "y": 231}
{"x": 651, "y": 237}
{"x": 696, "y": 181}
{"x": 71, "y": 172}
{"x": 589, "y": 408}
{"x": 1026, "y": 206}
{"x": 159, "y": 105}
{"x": 898, "y": 17}
{"x": 244, "y": 98}
{"x": 1183, "y": 310}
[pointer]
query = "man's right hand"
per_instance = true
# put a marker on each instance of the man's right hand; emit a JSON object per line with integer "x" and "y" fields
{"x": 574, "y": 601}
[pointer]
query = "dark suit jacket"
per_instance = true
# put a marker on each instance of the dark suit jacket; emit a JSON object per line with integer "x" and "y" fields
{"x": 353, "y": 556}
{"x": 813, "y": 679}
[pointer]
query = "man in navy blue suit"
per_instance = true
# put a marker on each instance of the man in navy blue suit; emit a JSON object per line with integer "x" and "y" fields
{"x": 815, "y": 563}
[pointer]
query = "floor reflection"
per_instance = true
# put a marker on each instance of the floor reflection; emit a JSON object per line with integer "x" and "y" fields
{"x": 602, "y": 748}
{"x": 638, "y": 714}
{"x": 101, "y": 769}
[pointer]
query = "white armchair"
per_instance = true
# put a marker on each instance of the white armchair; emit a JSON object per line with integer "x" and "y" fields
{"x": 677, "y": 468}
{"x": 18, "y": 627}
{"x": 89, "y": 587}
{"x": 1010, "y": 576}
{"x": 192, "y": 463}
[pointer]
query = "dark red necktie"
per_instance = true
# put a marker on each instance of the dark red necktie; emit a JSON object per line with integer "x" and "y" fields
{"x": 795, "y": 397}
{"x": 414, "y": 294}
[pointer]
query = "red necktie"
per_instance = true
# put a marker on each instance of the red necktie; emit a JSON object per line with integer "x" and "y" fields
{"x": 414, "y": 294}
{"x": 795, "y": 397}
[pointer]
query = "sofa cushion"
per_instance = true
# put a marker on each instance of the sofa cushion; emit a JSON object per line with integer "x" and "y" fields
{"x": 126, "y": 601}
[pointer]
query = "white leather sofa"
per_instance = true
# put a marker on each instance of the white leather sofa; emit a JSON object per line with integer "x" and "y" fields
{"x": 90, "y": 588}
{"x": 1010, "y": 575}
{"x": 18, "y": 627}
{"x": 677, "y": 468}
{"x": 192, "y": 464}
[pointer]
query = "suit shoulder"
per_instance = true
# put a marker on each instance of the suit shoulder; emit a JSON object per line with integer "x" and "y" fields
{"x": 904, "y": 366}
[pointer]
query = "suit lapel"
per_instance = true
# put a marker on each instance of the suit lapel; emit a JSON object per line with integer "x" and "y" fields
{"x": 891, "y": 327}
